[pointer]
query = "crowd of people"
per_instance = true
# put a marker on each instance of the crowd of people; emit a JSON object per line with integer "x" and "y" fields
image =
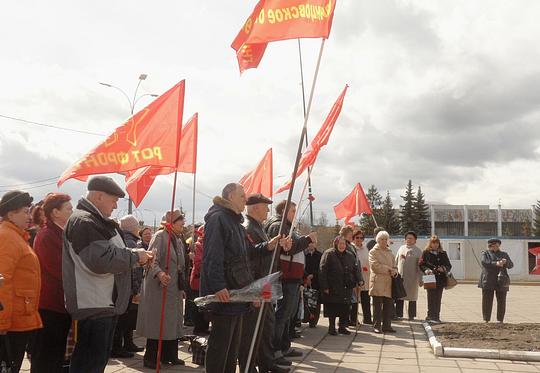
{"x": 80, "y": 272}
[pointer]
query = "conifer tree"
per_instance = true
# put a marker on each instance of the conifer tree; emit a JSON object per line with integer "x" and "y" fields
{"x": 407, "y": 216}
{"x": 375, "y": 200}
{"x": 536, "y": 219}
{"x": 422, "y": 218}
{"x": 389, "y": 219}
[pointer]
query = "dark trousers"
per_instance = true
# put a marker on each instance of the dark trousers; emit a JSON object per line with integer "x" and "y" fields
{"x": 353, "y": 317}
{"x": 120, "y": 330}
{"x": 285, "y": 312}
{"x": 48, "y": 346}
{"x": 383, "y": 309}
{"x": 223, "y": 343}
{"x": 13, "y": 347}
{"x": 365, "y": 301}
{"x": 169, "y": 350}
{"x": 343, "y": 322}
{"x": 487, "y": 304}
{"x": 411, "y": 308}
{"x": 434, "y": 298}
{"x": 94, "y": 344}
{"x": 190, "y": 309}
{"x": 263, "y": 354}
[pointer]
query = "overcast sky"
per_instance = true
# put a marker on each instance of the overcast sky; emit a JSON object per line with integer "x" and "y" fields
{"x": 446, "y": 93}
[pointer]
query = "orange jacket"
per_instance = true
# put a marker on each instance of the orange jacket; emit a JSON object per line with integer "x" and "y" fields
{"x": 22, "y": 281}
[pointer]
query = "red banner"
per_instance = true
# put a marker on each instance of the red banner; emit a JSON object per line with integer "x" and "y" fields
{"x": 139, "y": 182}
{"x": 354, "y": 204}
{"x": 148, "y": 138}
{"x": 260, "y": 179}
{"x": 273, "y": 20}
{"x": 321, "y": 139}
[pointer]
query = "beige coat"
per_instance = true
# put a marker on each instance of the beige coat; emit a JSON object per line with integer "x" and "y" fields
{"x": 380, "y": 280}
{"x": 407, "y": 259}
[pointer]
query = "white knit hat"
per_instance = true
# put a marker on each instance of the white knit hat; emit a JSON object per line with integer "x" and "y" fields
{"x": 129, "y": 223}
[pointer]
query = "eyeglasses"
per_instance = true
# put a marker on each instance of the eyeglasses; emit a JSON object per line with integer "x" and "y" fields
{"x": 359, "y": 238}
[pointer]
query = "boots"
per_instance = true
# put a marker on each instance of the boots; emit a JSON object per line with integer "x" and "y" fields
{"x": 129, "y": 345}
{"x": 332, "y": 326}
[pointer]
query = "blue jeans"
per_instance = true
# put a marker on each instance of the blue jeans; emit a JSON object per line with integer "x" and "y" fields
{"x": 94, "y": 344}
{"x": 285, "y": 311}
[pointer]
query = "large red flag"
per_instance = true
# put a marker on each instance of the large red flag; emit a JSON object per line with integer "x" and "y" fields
{"x": 354, "y": 204}
{"x": 321, "y": 139}
{"x": 260, "y": 179}
{"x": 148, "y": 138}
{"x": 138, "y": 182}
{"x": 273, "y": 20}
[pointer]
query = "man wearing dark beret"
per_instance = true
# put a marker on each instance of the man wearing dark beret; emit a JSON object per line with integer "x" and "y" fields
{"x": 96, "y": 273}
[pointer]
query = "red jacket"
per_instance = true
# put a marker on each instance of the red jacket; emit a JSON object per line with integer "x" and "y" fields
{"x": 48, "y": 247}
{"x": 197, "y": 262}
{"x": 20, "y": 293}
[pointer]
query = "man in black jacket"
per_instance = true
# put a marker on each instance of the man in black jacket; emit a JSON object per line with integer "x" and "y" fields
{"x": 260, "y": 255}
{"x": 225, "y": 267}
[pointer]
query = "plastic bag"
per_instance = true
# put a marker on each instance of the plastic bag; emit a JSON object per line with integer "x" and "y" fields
{"x": 266, "y": 289}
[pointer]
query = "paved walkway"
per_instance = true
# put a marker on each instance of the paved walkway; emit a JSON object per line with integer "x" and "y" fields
{"x": 407, "y": 351}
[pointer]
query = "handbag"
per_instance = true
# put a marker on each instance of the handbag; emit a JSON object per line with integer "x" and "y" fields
{"x": 430, "y": 282}
{"x": 503, "y": 280}
{"x": 7, "y": 365}
{"x": 398, "y": 289}
{"x": 450, "y": 281}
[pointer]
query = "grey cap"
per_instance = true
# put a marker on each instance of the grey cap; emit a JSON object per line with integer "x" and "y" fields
{"x": 105, "y": 184}
{"x": 494, "y": 240}
{"x": 258, "y": 198}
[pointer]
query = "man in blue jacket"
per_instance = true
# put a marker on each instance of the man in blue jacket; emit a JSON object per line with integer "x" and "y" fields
{"x": 225, "y": 267}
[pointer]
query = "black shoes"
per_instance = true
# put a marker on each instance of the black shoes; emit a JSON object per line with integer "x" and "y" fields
{"x": 132, "y": 347}
{"x": 344, "y": 331}
{"x": 293, "y": 353}
{"x": 389, "y": 330}
{"x": 149, "y": 364}
{"x": 368, "y": 322}
{"x": 278, "y": 369}
{"x": 176, "y": 361}
{"x": 332, "y": 331}
{"x": 122, "y": 354}
{"x": 282, "y": 361}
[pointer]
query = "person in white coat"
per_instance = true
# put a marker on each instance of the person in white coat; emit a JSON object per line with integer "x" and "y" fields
{"x": 407, "y": 259}
{"x": 362, "y": 253}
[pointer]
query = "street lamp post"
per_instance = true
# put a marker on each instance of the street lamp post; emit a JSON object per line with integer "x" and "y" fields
{"x": 132, "y": 103}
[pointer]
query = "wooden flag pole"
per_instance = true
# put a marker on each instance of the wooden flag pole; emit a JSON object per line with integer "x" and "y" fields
{"x": 289, "y": 198}
{"x": 164, "y": 291}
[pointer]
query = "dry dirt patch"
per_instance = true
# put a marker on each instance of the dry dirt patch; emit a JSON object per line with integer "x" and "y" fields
{"x": 520, "y": 337}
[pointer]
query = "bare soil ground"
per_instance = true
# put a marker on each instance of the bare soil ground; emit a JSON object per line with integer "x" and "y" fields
{"x": 520, "y": 337}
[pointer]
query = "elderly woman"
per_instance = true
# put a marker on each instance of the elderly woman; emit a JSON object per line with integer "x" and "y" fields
{"x": 407, "y": 259}
{"x": 434, "y": 261}
{"x": 494, "y": 279}
{"x": 168, "y": 275}
{"x": 19, "y": 265}
{"x": 381, "y": 265}
{"x": 49, "y": 346}
{"x": 338, "y": 276}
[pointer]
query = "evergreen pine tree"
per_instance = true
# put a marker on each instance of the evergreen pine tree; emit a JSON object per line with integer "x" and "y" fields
{"x": 422, "y": 218}
{"x": 375, "y": 200}
{"x": 536, "y": 219}
{"x": 389, "y": 219}
{"x": 407, "y": 216}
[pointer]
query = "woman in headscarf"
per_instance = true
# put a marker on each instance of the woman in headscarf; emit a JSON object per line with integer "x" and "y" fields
{"x": 169, "y": 275}
{"x": 19, "y": 266}
{"x": 339, "y": 275}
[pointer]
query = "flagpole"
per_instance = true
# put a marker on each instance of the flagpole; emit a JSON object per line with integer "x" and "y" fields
{"x": 304, "y": 106}
{"x": 289, "y": 197}
{"x": 164, "y": 291}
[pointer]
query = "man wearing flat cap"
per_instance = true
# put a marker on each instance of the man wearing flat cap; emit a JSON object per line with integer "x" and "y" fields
{"x": 96, "y": 273}
{"x": 494, "y": 279}
{"x": 260, "y": 258}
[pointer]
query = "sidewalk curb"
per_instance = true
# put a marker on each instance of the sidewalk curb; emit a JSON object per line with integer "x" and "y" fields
{"x": 439, "y": 350}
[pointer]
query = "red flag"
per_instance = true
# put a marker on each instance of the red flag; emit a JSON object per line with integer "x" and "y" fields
{"x": 148, "y": 138}
{"x": 260, "y": 179}
{"x": 321, "y": 139}
{"x": 354, "y": 204}
{"x": 138, "y": 182}
{"x": 273, "y": 20}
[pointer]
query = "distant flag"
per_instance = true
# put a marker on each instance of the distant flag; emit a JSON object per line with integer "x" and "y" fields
{"x": 138, "y": 182}
{"x": 354, "y": 204}
{"x": 321, "y": 139}
{"x": 260, "y": 179}
{"x": 274, "y": 20}
{"x": 148, "y": 138}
